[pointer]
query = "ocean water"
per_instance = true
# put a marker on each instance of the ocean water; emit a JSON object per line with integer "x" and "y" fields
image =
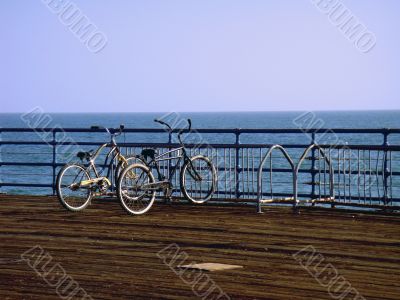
{"x": 332, "y": 119}
{"x": 337, "y": 119}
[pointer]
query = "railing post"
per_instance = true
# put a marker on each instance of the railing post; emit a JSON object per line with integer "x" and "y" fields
{"x": 385, "y": 170}
{"x": 169, "y": 162}
{"x": 313, "y": 195}
{"x": 238, "y": 167}
{"x": 169, "y": 148}
{"x": 54, "y": 142}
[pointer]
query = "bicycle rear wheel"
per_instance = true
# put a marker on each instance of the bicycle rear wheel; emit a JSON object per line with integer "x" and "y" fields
{"x": 131, "y": 189}
{"x": 198, "y": 179}
{"x": 72, "y": 194}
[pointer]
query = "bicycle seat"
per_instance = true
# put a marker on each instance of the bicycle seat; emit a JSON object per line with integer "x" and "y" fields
{"x": 85, "y": 155}
{"x": 149, "y": 153}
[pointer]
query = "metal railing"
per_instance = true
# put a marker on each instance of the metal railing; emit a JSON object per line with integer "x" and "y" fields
{"x": 365, "y": 163}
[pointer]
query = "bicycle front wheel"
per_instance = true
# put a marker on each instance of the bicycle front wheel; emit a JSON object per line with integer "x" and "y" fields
{"x": 198, "y": 179}
{"x": 134, "y": 190}
{"x": 72, "y": 190}
{"x": 133, "y": 159}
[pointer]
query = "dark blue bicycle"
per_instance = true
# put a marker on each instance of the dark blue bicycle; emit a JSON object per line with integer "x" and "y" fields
{"x": 137, "y": 186}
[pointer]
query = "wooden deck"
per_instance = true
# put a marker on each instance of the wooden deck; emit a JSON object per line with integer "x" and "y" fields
{"x": 112, "y": 255}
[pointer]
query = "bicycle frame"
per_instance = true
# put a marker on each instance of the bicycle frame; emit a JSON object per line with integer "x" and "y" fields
{"x": 113, "y": 154}
{"x": 154, "y": 162}
{"x": 186, "y": 158}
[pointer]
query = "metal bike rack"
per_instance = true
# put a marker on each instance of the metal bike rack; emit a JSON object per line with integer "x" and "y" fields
{"x": 259, "y": 178}
{"x": 295, "y": 172}
{"x": 331, "y": 176}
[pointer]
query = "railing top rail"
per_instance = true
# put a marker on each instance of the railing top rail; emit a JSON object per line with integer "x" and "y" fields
{"x": 208, "y": 145}
{"x": 215, "y": 130}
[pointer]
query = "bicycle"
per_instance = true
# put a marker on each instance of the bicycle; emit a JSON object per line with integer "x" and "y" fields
{"x": 136, "y": 187}
{"x": 78, "y": 183}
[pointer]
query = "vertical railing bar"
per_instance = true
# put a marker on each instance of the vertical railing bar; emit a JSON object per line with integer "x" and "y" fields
{"x": 313, "y": 167}
{"x": 225, "y": 183}
{"x": 333, "y": 171}
{"x": 195, "y": 182}
{"x": 54, "y": 142}
{"x": 170, "y": 162}
{"x": 358, "y": 176}
{"x": 319, "y": 174}
{"x": 197, "y": 191}
{"x": 385, "y": 167}
{"x": 260, "y": 159}
{"x": 232, "y": 172}
{"x": 325, "y": 175}
{"x": 248, "y": 172}
{"x": 350, "y": 172}
{"x": 225, "y": 175}
{"x": 339, "y": 175}
{"x": 237, "y": 165}
{"x": 231, "y": 190}
{"x": 370, "y": 176}
{"x": 193, "y": 189}
{"x": 214, "y": 159}
{"x": 170, "y": 155}
{"x": 345, "y": 160}
{"x": 243, "y": 174}
{"x": 331, "y": 179}
{"x": 178, "y": 174}
{"x": 252, "y": 171}
{"x": 377, "y": 172}
{"x": 365, "y": 177}
{"x": 344, "y": 175}
{"x": 229, "y": 176}
{"x": 391, "y": 178}
{"x": 217, "y": 162}
{"x": 270, "y": 177}
{"x": 210, "y": 154}
{"x": 364, "y": 163}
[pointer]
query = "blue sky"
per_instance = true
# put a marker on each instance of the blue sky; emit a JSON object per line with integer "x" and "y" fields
{"x": 208, "y": 55}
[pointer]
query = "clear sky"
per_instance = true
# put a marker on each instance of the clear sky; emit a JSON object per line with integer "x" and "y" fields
{"x": 198, "y": 55}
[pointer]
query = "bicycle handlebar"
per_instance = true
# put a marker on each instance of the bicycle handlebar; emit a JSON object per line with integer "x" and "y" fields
{"x": 111, "y": 131}
{"x": 121, "y": 128}
{"x": 163, "y": 123}
{"x": 180, "y": 131}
